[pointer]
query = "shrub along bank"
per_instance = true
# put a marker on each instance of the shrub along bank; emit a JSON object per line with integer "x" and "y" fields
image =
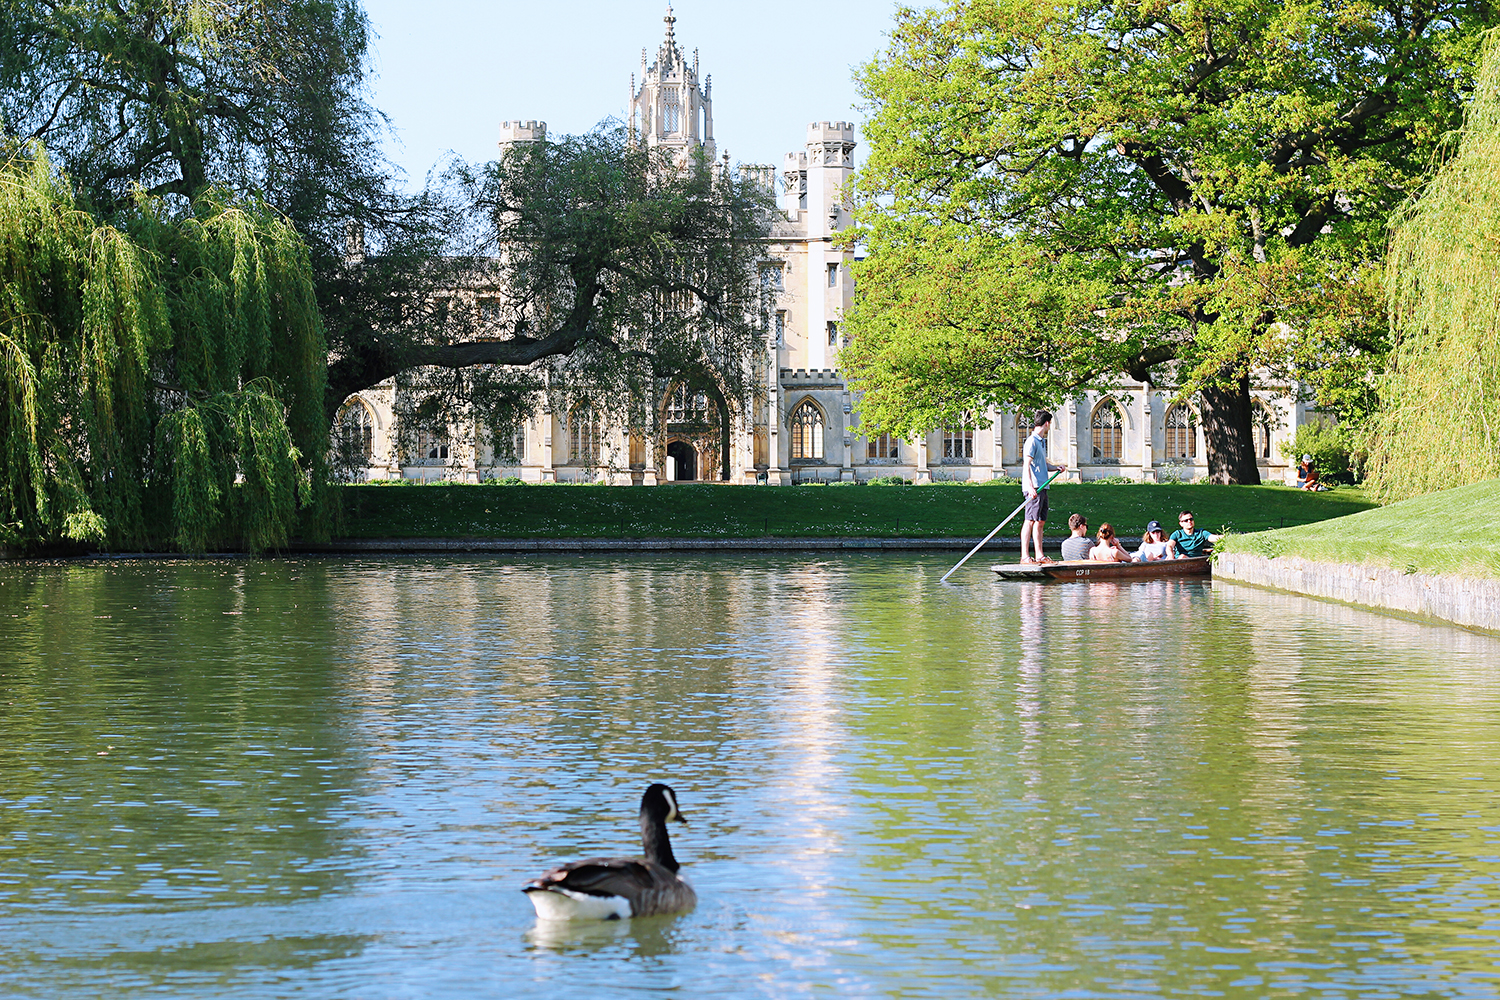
{"x": 723, "y": 511}
{"x": 1450, "y": 532}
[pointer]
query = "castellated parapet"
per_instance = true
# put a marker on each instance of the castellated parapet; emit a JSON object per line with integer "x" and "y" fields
{"x": 522, "y": 131}
{"x": 830, "y": 132}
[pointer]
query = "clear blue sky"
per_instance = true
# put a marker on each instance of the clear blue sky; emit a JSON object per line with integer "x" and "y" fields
{"x": 447, "y": 72}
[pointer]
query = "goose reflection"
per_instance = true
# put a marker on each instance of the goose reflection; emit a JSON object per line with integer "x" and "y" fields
{"x": 644, "y": 937}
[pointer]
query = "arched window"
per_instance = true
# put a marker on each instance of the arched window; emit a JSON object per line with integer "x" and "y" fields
{"x": 671, "y": 118}
{"x": 1262, "y": 429}
{"x": 807, "y": 432}
{"x": 690, "y": 410}
{"x": 356, "y": 432}
{"x": 1182, "y": 432}
{"x": 881, "y": 448}
{"x": 1108, "y": 430}
{"x": 583, "y": 435}
{"x": 958, "y": 442}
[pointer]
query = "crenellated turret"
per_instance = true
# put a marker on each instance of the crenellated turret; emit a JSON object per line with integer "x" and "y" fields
{"x": 512, "y": 132}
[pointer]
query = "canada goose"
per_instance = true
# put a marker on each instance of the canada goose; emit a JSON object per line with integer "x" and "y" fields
{"x": 611, "y": 888}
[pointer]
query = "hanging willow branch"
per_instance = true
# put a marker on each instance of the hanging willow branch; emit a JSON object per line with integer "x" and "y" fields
{"x": 1440, "y": 420}
{"x": 95, "y": 322}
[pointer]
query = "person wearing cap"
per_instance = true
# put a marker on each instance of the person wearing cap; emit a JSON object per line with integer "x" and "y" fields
{"x": 1154, "y": 544}
{"x": 1075, "y": 547}
{"x": 1307, "y": 474}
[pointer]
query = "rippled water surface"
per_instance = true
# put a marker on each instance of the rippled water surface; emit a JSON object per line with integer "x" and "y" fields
{"x": 329, "y": 779}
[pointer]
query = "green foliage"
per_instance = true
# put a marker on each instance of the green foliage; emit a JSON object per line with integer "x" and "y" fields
{"x": 1333, "y": 448}
{"x": 601, "y": 270}
{"x": 158, "y": 382}
{"x": 1183, "y": 191}
{"x": 1413, "y": 536}
{"x": 1439, "y": 425}
{"x": 890, "y": 481}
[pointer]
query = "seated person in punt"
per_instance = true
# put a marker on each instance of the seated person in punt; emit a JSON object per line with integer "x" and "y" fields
{"x": 1075, "y": 548}
{"x": 1109, "y": 548}
{"x": 1154, "y": 544}
{"x": 1190, "y": 541}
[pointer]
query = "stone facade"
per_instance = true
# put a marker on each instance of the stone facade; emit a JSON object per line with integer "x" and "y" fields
{"x": 802, "y": 428}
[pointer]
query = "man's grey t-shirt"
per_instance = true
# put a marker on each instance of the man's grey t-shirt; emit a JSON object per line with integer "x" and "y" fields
{"x": 1036, "y": 459}
{"x": 1076, "y": 547}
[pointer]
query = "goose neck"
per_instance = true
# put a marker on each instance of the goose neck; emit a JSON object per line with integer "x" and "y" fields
{"x": 655, "y": 842}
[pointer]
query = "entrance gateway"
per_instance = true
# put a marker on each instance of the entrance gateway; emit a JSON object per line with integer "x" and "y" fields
{"x": 687, "y": 460}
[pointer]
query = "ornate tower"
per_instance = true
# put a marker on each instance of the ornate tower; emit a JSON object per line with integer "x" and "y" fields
{"x": 669, "y": 108}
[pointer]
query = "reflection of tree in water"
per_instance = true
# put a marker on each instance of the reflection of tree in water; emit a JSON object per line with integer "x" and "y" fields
{"x": 169, "y": 734}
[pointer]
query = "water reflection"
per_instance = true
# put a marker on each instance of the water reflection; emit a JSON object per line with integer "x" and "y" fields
{"x": 298, "y": 778}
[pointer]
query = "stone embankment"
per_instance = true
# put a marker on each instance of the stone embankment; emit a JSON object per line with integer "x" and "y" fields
{"x": 1470, "y": 602}
{"x": 773, "y": 544}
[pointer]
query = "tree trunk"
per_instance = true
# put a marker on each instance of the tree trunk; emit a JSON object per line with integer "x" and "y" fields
{"x": 1226, "y": 430}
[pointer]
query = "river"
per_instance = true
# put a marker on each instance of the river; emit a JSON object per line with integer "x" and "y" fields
{"x": 330, "y": 778}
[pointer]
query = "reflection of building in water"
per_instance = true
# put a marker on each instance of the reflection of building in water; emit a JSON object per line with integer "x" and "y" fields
{"x": 802, "y": 425}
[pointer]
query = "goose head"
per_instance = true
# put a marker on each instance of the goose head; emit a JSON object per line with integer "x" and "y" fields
{"x": 659, "y": 805}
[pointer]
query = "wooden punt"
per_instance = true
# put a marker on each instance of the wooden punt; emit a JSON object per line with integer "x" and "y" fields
{"x": 1080, "y": 571}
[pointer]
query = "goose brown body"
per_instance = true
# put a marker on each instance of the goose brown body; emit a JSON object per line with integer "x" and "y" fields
{"x": 610, "y": 888}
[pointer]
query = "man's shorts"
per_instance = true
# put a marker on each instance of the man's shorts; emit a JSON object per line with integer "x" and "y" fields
{"x": 1036, "y": 506}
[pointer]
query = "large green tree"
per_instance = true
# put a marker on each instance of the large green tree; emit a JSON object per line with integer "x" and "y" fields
{"x": 161, "y": 383}
{"x": 1439, "y": 420}
{"x": 1187, "y": 191}
{"x": 592, "y": 267}
{"x": 267, "y": 98}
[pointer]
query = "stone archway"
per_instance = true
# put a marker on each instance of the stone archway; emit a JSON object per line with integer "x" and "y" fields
{"x": 687, "y": 460}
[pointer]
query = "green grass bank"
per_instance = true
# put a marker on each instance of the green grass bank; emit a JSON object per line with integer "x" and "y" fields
{"x": 721, "y": 511}
{"x": 1448, "y": 533}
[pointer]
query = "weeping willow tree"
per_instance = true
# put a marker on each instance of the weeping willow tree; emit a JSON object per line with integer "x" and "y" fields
{"x": 161, "y": 381}
{"x": 1439, "y": 424}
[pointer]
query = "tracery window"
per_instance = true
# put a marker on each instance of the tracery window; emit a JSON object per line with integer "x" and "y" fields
{"x": 881, "y": 448}
{"x": 1108, "y": 430}
{"x": 958, "y": 442}
{"x": 671, "y": 113}
{"x": 1262, "y": 428}
{"x": 1182, "y": 432}
{"x": 807, "y": 432}
{"x": 356, "y": 439}
{"x": 583, "y": 434}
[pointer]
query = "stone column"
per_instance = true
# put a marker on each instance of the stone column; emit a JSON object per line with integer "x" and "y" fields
{"x": 1148, "y": 450}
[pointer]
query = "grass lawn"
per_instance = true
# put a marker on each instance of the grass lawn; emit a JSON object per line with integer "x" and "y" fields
{"x": 1448, "y": 532}
{"x": 722, "y": 511}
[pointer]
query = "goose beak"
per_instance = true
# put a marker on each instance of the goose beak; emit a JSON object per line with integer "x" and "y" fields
{"x": 679, "y": 817}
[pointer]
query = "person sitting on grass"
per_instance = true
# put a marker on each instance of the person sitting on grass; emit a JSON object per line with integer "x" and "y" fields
{"x": 1076, "y": 546}
{"x": 1307, "y": 475}
{"x": 1109, "y": 548}
{"x": 1188, "y": 541}
{"x": 1154, "y": 544}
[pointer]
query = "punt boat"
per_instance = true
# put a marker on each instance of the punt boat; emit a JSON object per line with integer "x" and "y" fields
{"x": 1085, "y": 570}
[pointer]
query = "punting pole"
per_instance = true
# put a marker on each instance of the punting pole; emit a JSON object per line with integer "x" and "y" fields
{"x": 992, "y": 534}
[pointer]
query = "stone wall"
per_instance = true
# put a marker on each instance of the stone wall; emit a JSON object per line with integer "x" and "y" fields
{"x": 1473, "y": 603}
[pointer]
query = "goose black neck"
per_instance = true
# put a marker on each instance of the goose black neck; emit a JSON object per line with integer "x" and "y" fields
{"x": 655, "y": 842}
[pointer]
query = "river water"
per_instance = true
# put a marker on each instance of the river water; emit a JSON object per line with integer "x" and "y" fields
{"x": 329, "y": 778}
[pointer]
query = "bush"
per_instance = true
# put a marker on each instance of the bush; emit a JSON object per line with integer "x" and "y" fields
{"x": 505, "y": 481}
{"x": 1332, "y": 449}
{"x": 889, "y": 481}
{"x": 847, "y": 482}
{"x": 1113, "y": 481}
